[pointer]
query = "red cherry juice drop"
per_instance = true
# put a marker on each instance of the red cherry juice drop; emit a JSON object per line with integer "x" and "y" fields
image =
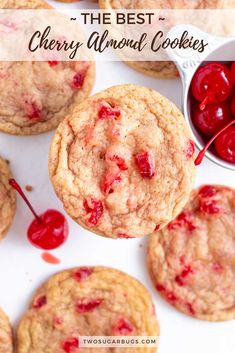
{"x": 48, "y": 230}
{"x": 50, "y": 259}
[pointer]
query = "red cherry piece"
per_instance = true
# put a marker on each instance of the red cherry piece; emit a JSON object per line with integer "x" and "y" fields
{"x": 78, "y": 80}
{"x": 111, "y": 178}
{"x": 190, "y": 308}
{"x": 83, "y": 273}
{"x": 157, "y": 227}
{"x": 210, "y": 207}
{"x": 124, "y": 327}
{"x": 108, "y": 112}
{"x": 146, "y": 164}
{"x": 189, "y": 150}
{"x": 34, "y": 112}
{"x": 124, "y": 236}
{"x": 225, "y": 145}
{"x": 51, "y": 232}
{"x": 169, "y": 295}
{"x": 180, "y": 279}
{"x": 207, "y": 191}
{"x": 86, "y": 305}
{"x": 183, "y": 220}
{"x": 160, "y": 287}
{"x": 53, "y": 63}
{"x": 40, "y": 302}
{"x": 212, "y": 118}
{"x": 70, "y": 345}
{"x": 212, "y": 83}
{"x": 120, "y": 162}
{"x": 186, "y": 271}
{"x": 95, "y": 209}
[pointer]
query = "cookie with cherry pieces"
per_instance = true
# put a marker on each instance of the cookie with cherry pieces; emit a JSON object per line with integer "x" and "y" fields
{"x": 36, "y": 96}
{"x": 161, "y": 69}
{"x": 7, "y": 199}
{"x": 122, "y": 162}
{"x": 87, "y": 301}
{"x": 68, "y": 1}
{"x": 24, "y": 4}
{"x": 6, "y": 342}
{"x": 191, "y": 261}
{"x": 72, "y": 1}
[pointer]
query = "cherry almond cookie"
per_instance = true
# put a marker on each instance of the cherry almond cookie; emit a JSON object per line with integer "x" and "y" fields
{"x": 6, "y": 344}
{"x": 36, "y": 96}
{"x": 161, "y": 69}
{"x": 122, "y": 163}
{"x": 87, "y": 301}
{"x": 68, "y": 1}
{"x": 192, "y": 262}
{"x": 24, "y": 4}
{"x": 7, "y": 199}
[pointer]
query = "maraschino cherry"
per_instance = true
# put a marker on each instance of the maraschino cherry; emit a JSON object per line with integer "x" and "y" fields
{"x": 225, "y": 144}
{"x": 47, "y": 231}
{"x": 212, "y": 118}
{"x": 233, "y": 106}
{"x": 212, "y": 83}
{"x": 233, "y": 71}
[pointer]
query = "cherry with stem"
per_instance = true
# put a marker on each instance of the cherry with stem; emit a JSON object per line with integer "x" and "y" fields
{"x": 212, "y": 83}
{"x": 48, "y": 230}
{"x": 202, "y": 153}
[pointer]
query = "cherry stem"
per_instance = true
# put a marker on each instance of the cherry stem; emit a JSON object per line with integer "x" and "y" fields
{"x": 17, "y": 187}
{"x": 202, "y": 153}
{"x": 203, "y": 104}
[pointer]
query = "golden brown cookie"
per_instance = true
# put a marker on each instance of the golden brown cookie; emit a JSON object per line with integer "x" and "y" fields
{"x": 68, "y": 1}
{"x": 161, "y": 69}
{"x": 71, "y": 1}
{"x": 24, "y": 4}
{"x": 122, "y": 162}
{"x": 86, "y": 301}
{"x": 192, "y": 262}
{"x": 36, "y": 96}
{"x": 7, "y": 199}
{"x": 6, "y": 343}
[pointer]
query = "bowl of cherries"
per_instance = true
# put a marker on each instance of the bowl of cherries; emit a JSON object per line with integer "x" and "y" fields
{"x": 209, "y": 105}
{"x": 211, "y": 111}
{"x": 209, "y": 94}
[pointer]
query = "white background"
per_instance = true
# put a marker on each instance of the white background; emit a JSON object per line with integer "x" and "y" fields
{"x": 22, "y": 270}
